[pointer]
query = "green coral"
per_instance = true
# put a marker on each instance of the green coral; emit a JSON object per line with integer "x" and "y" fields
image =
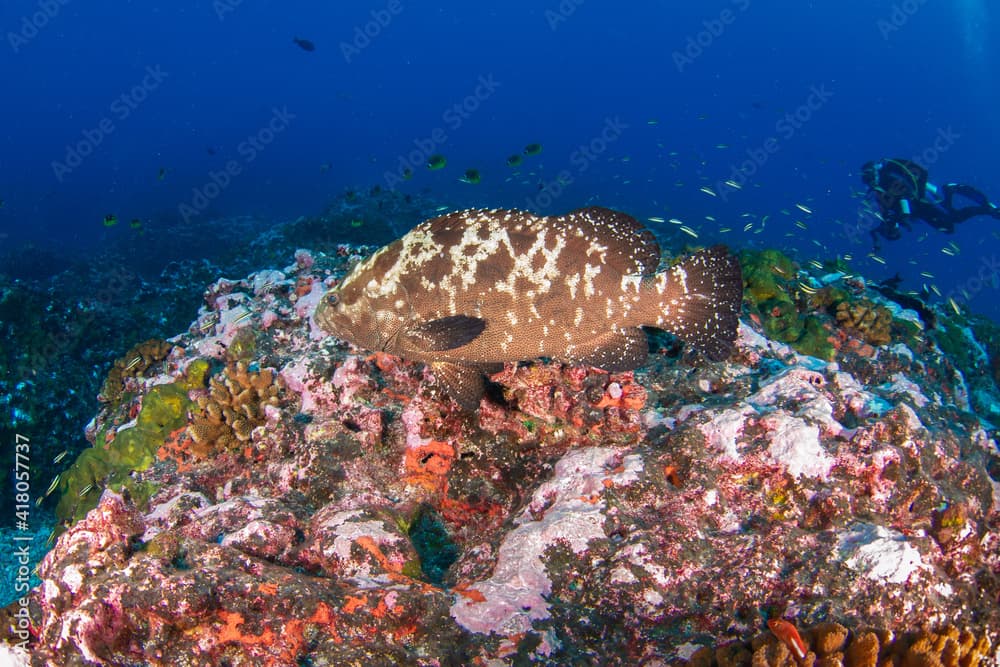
{"x": 197, "y": 374}
{"x": 955, "y": 341}
{"x": 767, "y": 274}
{"x": 815, "y": 340}
{"x": 781, "y": 320}
{"x": 164, "y": 410}
{"x": 784, "y": 311}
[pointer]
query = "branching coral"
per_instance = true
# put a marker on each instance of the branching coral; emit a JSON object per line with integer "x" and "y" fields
{"x": 133, "y": 364}
{"x": 832, "y": 645}
{"x": 233, "y": 408}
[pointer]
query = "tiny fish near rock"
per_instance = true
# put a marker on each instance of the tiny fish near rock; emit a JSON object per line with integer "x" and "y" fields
{"x": 467, "y": 291}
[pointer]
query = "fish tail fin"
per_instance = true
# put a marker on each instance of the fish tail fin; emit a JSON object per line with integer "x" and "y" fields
{"x": 698, "y": 300}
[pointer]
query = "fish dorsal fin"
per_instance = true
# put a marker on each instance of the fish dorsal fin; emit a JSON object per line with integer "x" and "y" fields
{"x": 463, "y": 382}
{"x": 444, "y": 333}
{"x": 633, "y": 248}
{"x": 615, "y": 351}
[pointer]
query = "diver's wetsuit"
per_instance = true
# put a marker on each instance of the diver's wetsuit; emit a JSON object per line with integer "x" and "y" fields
{"x": 902, "y": 193}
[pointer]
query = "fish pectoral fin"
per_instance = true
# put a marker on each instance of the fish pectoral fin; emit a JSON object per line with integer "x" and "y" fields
{"x": 464, "y": 383}
{"x": 615, "y": 351}
{"x": 445, "y": 333}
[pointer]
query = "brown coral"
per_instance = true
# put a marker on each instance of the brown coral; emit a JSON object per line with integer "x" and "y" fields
{"x": 831, "y": 645}
{"x": 134, "y": 364}
{"x": 233, "y": 408}
{"x": 829, "y": 638}
{"x": 869, "y": 321}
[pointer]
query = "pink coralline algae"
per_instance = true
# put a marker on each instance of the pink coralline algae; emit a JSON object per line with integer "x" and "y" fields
{"x": 577, "y": 517}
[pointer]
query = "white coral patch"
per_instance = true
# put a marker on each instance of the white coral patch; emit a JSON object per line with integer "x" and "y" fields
{"x": 795, "y": 444}
{"x": 721, "y": 432}
{"x": 879, "y": 553}
{"x": 904, "y": 386}
{"x": 560, "y": 511}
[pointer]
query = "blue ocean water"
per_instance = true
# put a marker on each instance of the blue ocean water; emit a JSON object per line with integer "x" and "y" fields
{"x": 188, "y": 111}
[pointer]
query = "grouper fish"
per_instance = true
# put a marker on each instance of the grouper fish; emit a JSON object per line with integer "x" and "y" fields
{"x": 467, "y": 291}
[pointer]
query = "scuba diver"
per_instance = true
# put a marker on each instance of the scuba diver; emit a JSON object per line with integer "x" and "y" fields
{"x": 902, "y": 193}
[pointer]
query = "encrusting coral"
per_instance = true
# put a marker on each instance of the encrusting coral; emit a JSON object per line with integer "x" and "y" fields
{"x": 233, "y": 408}
{"x": 868, "y": 320}
{"x": 133, "y": 364}
{"x": 810, "y": 314}
{"x": 108, "y": 463}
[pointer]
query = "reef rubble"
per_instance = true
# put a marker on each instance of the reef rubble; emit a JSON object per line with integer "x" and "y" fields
{"x": 319, "y": 505}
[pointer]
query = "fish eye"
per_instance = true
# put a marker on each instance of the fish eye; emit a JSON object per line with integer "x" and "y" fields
{"x": 332, "y": 299}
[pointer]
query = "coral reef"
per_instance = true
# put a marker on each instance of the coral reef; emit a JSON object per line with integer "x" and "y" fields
{"x": 832, "y": 645}
{"x": 578, "y": 517}
{"x": 134, "y": 364}
{"x": 868, "y": 321}
{"x": 817, "y": 315}
{"x": 131, "y": 448}
{"x": 234, "y": 406}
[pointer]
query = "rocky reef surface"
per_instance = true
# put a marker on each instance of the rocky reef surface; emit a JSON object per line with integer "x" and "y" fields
{"x": 257, "y": 493}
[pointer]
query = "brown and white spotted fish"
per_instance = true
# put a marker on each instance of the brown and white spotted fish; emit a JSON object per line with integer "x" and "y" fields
{"x": 467, "y": 291}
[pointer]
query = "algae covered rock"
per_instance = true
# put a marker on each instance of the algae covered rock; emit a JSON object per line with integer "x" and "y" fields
{"x": 109, "y": 464}
{"x": 786, "y": 312}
